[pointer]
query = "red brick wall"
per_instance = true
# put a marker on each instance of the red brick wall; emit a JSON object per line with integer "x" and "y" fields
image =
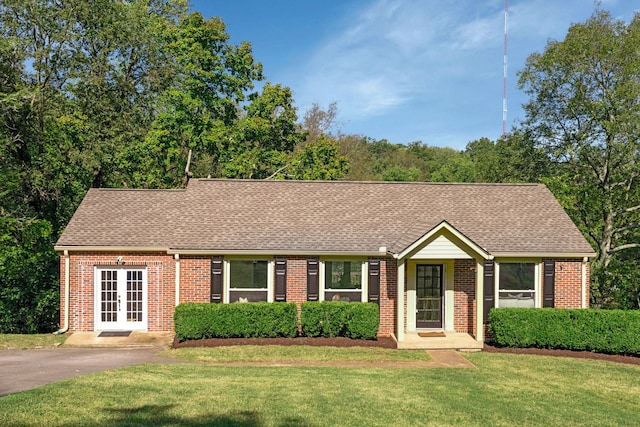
{"x": 195, "y": 287}
{"x": 568, "y": 283}
{"x": 195, "y": 284}
{"x": 195, "y": 279}
{"x": 388, "y": 296}
{"x": 297, "y": 280}
{"x": 464, "y": 295}
{"x": 160, "y": 284}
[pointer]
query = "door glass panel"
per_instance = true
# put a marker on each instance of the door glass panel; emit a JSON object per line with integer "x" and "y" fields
{"x": 429, "y": 296}
{"x": 109, "y": 295}
{"x": 134, "y": 296}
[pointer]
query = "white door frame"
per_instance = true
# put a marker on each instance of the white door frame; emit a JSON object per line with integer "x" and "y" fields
{"x": 119, "y": 300}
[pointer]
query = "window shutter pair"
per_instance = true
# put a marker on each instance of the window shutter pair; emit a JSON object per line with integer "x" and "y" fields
{"x": 313, "y": 280}
{"x": 489, "y": 289}
{"x": 217, "y": 276}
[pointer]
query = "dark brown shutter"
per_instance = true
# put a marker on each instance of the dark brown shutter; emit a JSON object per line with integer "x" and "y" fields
{"x": 549, "y": 283}
{"x": 281, "y": 280}
{"x": 313, "y": 279}
{"x": 216, "y": 279}
{"x": 374, "y": 281}
{"x": 489, "y": 288}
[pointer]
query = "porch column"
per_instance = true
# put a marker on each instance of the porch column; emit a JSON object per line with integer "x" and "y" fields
{"x": 400, "y": 300}
{"x": 479, "y": 300}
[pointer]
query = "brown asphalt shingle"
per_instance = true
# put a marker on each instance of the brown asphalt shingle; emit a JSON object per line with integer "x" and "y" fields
{"x": 318, "y": 216}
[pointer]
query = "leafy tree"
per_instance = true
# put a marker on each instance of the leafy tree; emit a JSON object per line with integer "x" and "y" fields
{"x": 514, "y": 158}
{"x": 319, "y": 159}
{"x": 265, "y": 135}
{"x": 458, "y": 168}
{"x": 199, "y": 110}
{"x": 117, "y": 94}
{"x": 584, "y": 112}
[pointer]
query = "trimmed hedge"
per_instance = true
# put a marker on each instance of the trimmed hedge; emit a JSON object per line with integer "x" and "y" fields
{"x": 263, "y": 320}
{"x": 601, "y": 331}
{"x": 357, "y": 320}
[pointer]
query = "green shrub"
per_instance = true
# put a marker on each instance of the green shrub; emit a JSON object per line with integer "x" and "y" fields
{"x": 264, "y": 320}
{"x": 602, "y": 331}
{"x": 357, "y": 320}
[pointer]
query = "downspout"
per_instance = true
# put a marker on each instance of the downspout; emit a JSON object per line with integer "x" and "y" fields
{"x": 67, "y": 276}
{"x": 585, "y": 260}
{"x": 177, "y": 258}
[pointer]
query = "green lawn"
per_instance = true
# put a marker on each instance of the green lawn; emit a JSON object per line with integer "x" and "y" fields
{"x": 296, "y": 353}
{"x": 504, "y": 390}
{"x": 23, "y": 341}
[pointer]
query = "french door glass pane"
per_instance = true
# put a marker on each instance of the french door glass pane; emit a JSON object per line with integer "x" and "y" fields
{"x": 109, "y": 295}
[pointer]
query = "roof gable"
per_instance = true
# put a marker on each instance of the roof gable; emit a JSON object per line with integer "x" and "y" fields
{"x": 439, "y": 233}
{"x": 323, "y": 217}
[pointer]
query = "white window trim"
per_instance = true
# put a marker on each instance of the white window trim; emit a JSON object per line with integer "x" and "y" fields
{"x": 364, "y": 279}
{"x": 537, "y": 285}
{"x": 227, "y": 277}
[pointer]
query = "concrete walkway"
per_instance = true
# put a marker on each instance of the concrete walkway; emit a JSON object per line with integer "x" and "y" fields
{"x": 448, "y": 359}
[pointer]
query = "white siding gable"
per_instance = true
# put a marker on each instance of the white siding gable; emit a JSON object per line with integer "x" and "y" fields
{"x": 440, "y": 248}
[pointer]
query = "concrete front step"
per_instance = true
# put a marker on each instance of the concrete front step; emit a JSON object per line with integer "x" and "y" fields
{"x": 135, "y": 339}
{"x": 451, "y": 341}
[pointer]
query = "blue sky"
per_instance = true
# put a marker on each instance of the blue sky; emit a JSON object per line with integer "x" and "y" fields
{"x": 404, "y": 70}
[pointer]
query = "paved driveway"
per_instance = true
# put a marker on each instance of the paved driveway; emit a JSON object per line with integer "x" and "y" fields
{"x": 25, "y": 369}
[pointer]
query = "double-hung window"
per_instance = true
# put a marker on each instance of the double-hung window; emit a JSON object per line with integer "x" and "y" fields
{"x": 518, "y": 284}
{"x": 248, "y": 280}
{"x": 343, "y": 280}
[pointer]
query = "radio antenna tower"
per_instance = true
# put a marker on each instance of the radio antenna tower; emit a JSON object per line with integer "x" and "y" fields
{"x": 504, "y": 82}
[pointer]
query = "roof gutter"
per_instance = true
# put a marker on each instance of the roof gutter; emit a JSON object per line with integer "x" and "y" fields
{"x": 544, "y": 254}
{"x": 61, "y": 248}
{"x": 67, "y": 292}
{"x": 266, "y": 252}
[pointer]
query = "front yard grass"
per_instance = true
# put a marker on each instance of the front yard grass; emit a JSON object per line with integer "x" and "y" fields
{"x": 24, "y": 341}
{"x": 295, "y": 353}
{"x": 505, "y": 390}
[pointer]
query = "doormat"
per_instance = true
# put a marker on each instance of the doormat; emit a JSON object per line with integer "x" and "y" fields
{"x": 431, "y": 334}
{"x": 109, "y": 334}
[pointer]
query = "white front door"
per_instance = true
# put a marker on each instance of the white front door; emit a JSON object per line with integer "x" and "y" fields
{"x": 121, "y": 299}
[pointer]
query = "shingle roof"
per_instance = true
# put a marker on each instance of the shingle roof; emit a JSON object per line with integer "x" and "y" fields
{"x": 321, "y": 216}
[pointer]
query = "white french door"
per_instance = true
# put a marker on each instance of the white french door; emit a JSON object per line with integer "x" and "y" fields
{"x": 120, "y": 299}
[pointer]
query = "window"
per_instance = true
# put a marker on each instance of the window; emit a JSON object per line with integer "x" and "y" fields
{"x": 517, "y": 284}
{"x": 248, "y": 280}
{"x": 343, "y": 280}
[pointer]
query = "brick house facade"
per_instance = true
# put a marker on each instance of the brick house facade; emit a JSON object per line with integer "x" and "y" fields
{"x": 129, "y": 256}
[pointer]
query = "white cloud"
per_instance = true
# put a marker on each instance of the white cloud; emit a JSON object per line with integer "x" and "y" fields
{"x": 395, "y": 51}
{"x": 410, "y": 66}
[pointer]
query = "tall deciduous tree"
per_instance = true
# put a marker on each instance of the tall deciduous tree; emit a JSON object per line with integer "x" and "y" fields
{"x": 584, "y": 110}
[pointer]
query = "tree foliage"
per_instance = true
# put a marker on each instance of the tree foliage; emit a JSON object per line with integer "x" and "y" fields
{"x": 584, "y": 112}
{"x": 103, "y": 93}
